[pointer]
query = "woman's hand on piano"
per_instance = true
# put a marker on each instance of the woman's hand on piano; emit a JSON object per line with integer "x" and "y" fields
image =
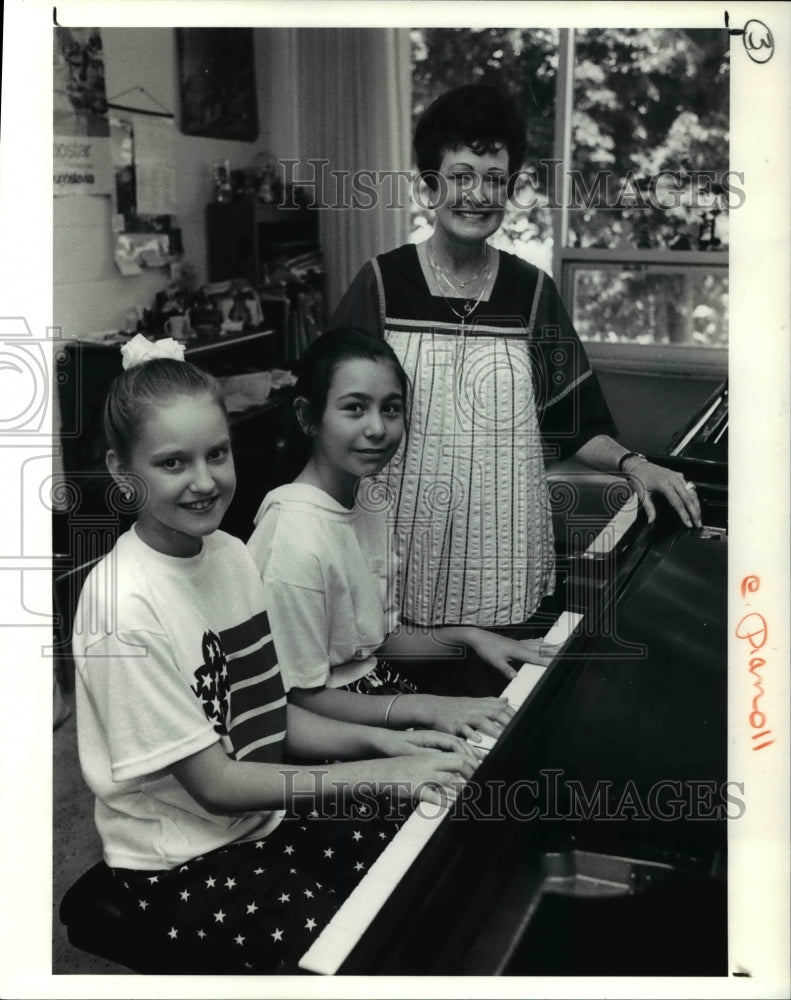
{"x": 680, "y": 494}
{"x": 507, "y": 655}
{"x": 465, "y": 716}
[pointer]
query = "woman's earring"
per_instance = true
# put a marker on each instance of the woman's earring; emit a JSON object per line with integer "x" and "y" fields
{"x": 126, "y": 491}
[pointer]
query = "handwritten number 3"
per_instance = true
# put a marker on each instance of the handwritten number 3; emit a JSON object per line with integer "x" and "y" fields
{"x": 758, "y": 42}
{"x": 756, "y": 38}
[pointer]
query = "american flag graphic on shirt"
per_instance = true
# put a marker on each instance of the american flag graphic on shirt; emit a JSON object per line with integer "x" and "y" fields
{"x": 241, "y": 689}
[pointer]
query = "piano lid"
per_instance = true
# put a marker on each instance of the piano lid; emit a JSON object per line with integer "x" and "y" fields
{"x": 705, "y": 437}
{"x": 700, "y": 452}
{"x": 703, "y": 441}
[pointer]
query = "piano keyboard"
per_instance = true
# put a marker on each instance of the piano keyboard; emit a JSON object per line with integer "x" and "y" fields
{"x": 333, "y": 945}
{"x": 613, "y": 532}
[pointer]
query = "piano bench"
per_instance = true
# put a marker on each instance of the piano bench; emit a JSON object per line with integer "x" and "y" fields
{"x": 91, "y": 911}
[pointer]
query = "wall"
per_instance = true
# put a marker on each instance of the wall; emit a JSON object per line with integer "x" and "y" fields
{"x": 89, "y": 293}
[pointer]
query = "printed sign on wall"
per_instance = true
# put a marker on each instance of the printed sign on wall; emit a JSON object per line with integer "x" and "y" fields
{"x": 81, "y": 132}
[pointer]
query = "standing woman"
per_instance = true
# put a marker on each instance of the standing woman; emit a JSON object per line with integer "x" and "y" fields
{"x": 500, "y": 382}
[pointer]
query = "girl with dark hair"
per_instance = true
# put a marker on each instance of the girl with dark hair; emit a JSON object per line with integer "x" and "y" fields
{"x": 500, "y": 383}
{"x": 323, "y": 546}
{"x": 183, "y": 727}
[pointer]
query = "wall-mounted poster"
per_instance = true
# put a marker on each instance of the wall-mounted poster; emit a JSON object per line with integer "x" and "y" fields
{"x": 81, "y": 143}
{"x": 217, "y": 83}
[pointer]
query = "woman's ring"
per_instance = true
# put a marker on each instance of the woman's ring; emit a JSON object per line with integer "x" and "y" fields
{"x": 690, "y": 486}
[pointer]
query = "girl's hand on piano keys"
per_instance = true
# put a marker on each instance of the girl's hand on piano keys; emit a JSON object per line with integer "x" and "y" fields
{"x": 392, "y": 743}
{"x": 432, "y": 776}
{"x": 465, "y": 716}
{"x": 507, "y": 655}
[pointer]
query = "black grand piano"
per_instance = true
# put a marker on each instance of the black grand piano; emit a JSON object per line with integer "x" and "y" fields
{"x": 592, "y": 839}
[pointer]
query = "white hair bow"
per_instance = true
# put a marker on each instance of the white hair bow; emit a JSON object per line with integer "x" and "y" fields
{"x": 139, "y": 349}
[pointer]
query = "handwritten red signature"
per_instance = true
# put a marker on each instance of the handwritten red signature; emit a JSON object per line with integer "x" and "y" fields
{"x": 752, "y": 627}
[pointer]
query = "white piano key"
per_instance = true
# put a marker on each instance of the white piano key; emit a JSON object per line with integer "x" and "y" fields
{"x": 530, "y": 674}
{"x": 330, "y": 949}
{"x": 400, "y": 852}
{"x": 563, "y": 627}
{"x": 370, "y": 895}
{"x": 520, "y": 686}
{"x": 422, "y": 823}
{"x": 394, "y": 861}
{"x": 615, "y": 529}
{"x": 365, "y": 902}
{"x": 486, "y": 742}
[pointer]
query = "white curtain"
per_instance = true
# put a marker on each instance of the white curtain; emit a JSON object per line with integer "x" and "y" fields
{"x": 355, "y": 112}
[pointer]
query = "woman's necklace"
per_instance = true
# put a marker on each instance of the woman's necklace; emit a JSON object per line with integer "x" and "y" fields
{"x": 452, "y": 279}
{"x": 441, "y": 274}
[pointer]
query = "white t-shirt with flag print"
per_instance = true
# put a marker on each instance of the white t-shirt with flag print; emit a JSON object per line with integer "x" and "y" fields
{"x": 172, "y": 655}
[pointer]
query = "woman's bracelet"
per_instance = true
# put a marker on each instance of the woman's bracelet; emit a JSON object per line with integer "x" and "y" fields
{"x": 631, "y": 454}
{"x": 392, "y": 702}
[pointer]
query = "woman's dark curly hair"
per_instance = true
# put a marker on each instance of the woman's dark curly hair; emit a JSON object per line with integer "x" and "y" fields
{"x": 478, "y": 116}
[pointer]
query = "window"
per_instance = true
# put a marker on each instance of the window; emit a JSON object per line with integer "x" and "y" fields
{"x": 649, "y": 303}
{"x": 641, "y": 237}
{"x": 628, "y": 140}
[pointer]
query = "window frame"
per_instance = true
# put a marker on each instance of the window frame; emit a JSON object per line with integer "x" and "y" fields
{"x": 652, "y": 359}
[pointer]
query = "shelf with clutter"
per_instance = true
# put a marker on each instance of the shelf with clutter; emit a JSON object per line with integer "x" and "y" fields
{"x": 207, "y": 318}
{"x": 265, "y": 233}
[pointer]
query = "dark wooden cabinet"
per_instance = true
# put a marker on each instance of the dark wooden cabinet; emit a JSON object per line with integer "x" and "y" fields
{"x": 277, "y": 250}
{"x": 244, "y": 238}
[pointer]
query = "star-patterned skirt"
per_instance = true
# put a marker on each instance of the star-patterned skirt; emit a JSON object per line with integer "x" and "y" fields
{"x": 382, "y": 678}
{"x": 254, "y": 906}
